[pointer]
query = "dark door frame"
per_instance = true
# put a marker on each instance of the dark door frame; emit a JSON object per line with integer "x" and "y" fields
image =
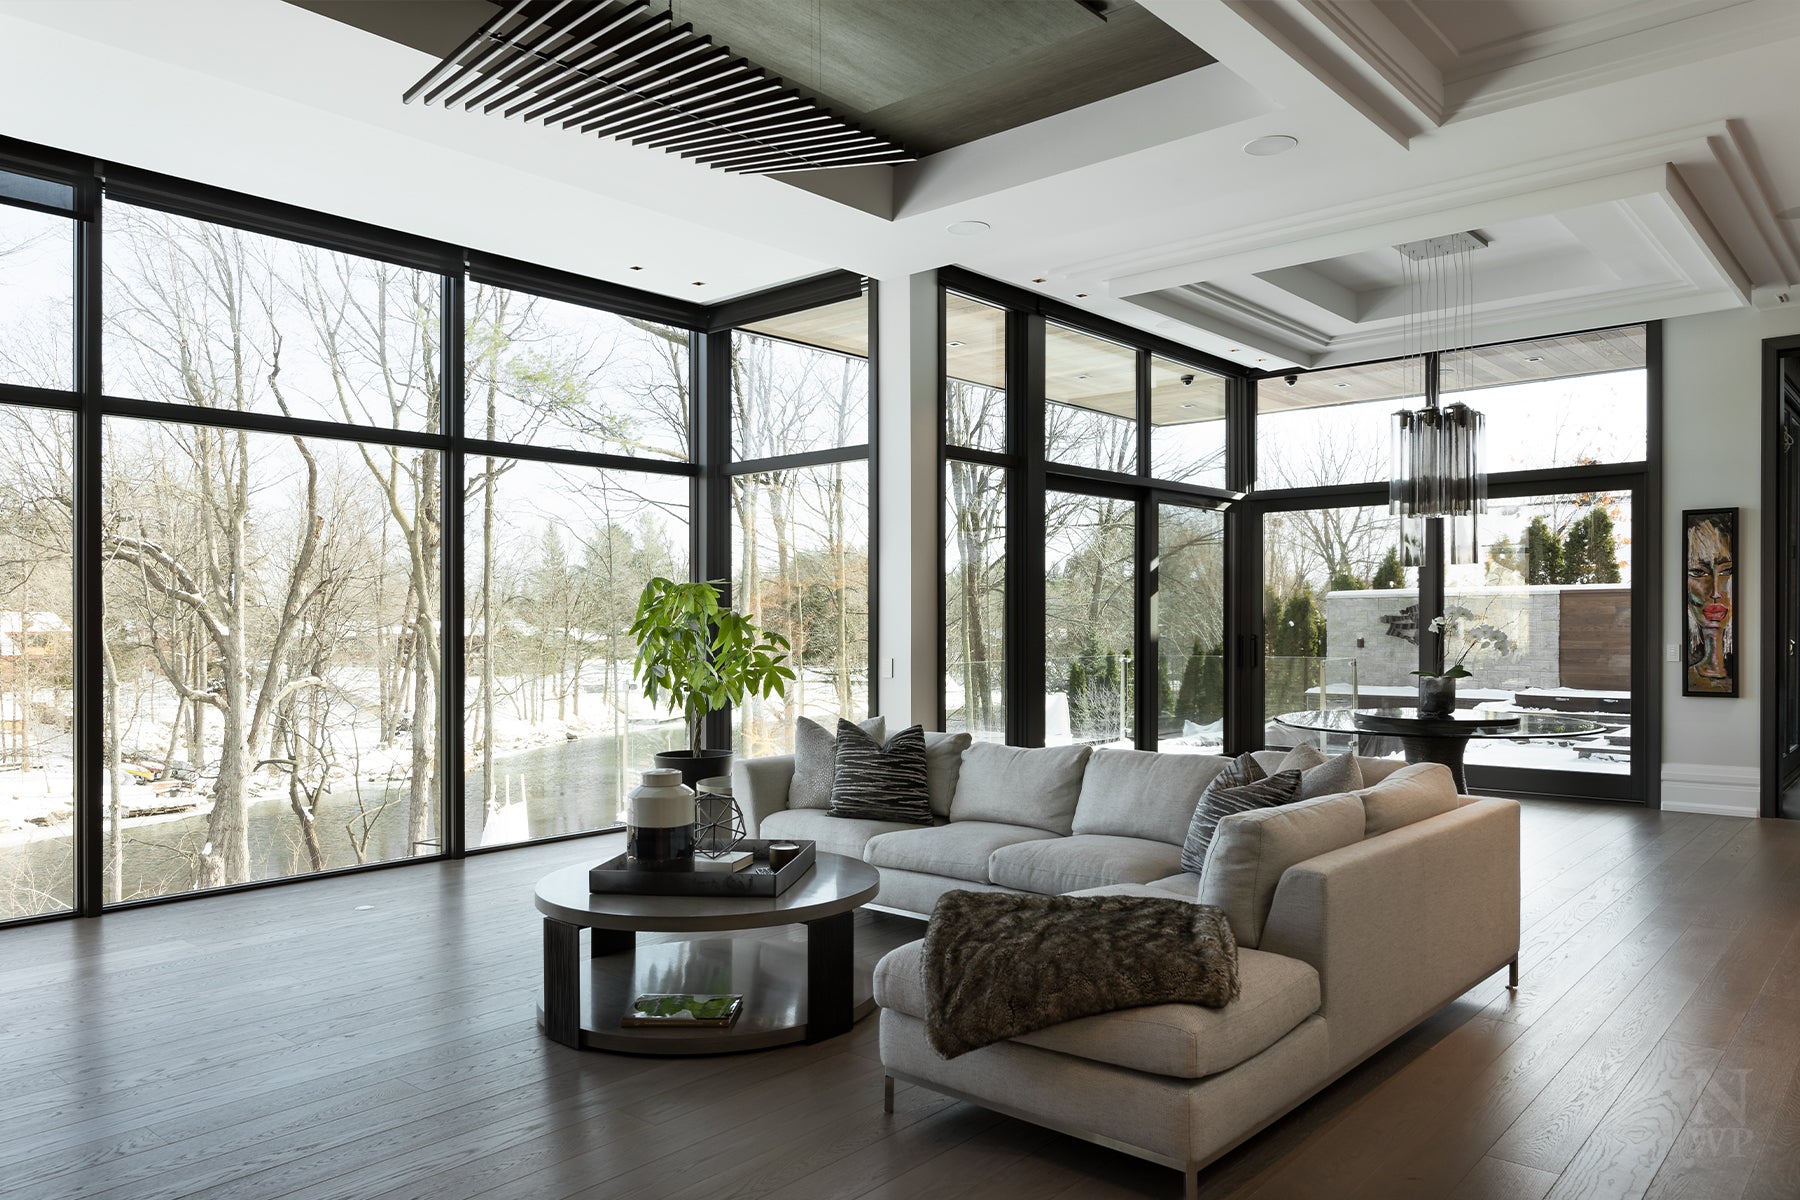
{"x": 1769, "y": 660}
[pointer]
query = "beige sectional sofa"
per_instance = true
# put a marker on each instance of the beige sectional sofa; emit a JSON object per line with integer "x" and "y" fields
{"x": 1047, "y": 821}
{"x": 1356, "y": 915}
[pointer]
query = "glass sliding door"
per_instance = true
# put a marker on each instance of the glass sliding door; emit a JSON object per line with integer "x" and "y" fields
{"x": 1090, "y": 581}
{"x": 975, "y": 600}
{"x": 1341, "y": 617}
{"x": 1188, "y": 615}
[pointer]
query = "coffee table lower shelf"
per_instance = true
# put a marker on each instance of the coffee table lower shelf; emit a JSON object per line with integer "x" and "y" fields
{"x": 771, "y": 976}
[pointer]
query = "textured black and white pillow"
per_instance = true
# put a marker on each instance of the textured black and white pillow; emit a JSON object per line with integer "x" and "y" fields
{"x": 881, "y": 783}
{"x": 1217, "y": 803}
{"x": 815, "y": 760}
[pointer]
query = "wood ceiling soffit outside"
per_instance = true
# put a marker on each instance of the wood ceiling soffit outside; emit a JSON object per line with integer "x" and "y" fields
{"x": 624, "y": 71}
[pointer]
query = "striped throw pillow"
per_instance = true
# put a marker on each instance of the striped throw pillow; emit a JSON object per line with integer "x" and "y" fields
{"x": 1217, "y": 803}
{"x": 881, "y": 783}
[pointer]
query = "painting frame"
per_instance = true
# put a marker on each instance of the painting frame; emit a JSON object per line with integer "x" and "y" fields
{"x": 1709, "y": 647}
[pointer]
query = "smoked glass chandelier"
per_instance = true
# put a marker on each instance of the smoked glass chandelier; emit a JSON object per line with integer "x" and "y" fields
{"x": 1438, "y": 466}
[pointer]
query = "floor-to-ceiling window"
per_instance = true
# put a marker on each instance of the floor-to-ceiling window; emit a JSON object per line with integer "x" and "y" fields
{"x": 800, "y": 487}
{"x": 1546, "y": 613}
{"x": 320, "y": 543}
{"x": 1084, "y": 544}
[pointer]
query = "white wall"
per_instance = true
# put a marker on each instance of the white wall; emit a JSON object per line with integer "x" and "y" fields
{"x": 907, "y": 459}
{"x": 1712, "y": 448}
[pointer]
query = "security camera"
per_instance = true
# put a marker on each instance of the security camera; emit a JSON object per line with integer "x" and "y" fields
{"x": 1291, "y": 379}
{"x": 1187, "y": 381}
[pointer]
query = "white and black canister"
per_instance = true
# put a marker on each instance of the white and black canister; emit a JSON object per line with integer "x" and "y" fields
{"x": 659, "y": 822}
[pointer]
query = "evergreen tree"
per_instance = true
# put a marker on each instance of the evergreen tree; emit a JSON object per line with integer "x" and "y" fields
{"x": 1602, "y": 549}
{"x": 1577, "y": 554}
{"x": 1390, "y": 574}
{"x": 1345, "y": 580}
{"x": 1211, "y": 705}
{"x": 1543, "y": 553}
{"x": 1187, "y": 699}
{"x": 1506, "y": 556}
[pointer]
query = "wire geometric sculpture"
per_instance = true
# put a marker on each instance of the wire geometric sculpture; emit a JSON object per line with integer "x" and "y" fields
{"x": 718, "y": 825}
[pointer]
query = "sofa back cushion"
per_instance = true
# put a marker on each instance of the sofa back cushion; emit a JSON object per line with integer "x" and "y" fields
{"x": 815, "y": 760}
{"x": 1143, "y": 794}
{"x": 1250, "y": 850}
{"x": 1011, "y": 785}
{"x": 1413, "y": 793}
{"x": 1320, "y": 775}
{"x": 943, "y": 765}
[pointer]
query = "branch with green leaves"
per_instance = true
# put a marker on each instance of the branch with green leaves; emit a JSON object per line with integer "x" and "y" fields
{"x": 696, "y": 656}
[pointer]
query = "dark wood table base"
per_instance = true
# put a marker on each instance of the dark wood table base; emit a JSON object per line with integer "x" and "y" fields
{"x": 791, "y": 994}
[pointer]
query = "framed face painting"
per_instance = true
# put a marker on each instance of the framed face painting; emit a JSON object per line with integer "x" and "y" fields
{"x": 1709, "y": 602}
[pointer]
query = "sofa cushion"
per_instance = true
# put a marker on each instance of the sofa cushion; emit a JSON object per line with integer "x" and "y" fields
{"x": 1085, "y": 860}
{"x": 960, "y": 849}
{"x": 1412, "y": 793}
{"x": 943, "y": 765}
{"x": 1011, "y": 785}
{"x": 1186, "y": 885}
{"x": 835, "y": 835}
{"x": 881, "y": 783}
{"x": 1185, "y": 1041}
{"x": 1217, "y": 803}
{"x": 815, "y": 760}
{"x": 1142, "y": 794}
{"x": 1250, "y": 850}
{"x": 1322, "y": 776}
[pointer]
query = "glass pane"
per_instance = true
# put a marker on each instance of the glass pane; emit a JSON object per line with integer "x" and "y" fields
{"x": 974, "y": 373}
{"x": 547, "y": 373}
{"x": 975, "y": 601}
{"x": 800, "y": 557}
{"x": 555, "y": 728}
{"x": 1340, "y": 617}
{"x": 1187, "y": 424}
{"x": 207, "y": 315}
{"x": 37, "y": 299}
{"x": 1558, "y": 402}
{"x": 272, "y": 616}
{"x": 37, "y": 664}
{"x": 1332, "y": 426}
{"x": 1090, "y": 390}
{"x": 1089, "y": 583}
{"x": 1543, "y": 623}
{"x": 1189, "y": 617}
{"x": 789, "y": 398}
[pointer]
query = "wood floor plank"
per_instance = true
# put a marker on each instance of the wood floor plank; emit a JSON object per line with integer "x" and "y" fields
{"x": 1628, "y": 1147}
{"x": 1497, "y": 1179}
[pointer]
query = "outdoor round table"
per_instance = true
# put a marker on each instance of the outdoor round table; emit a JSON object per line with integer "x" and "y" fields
{"x": 791, "y": 993}
{"x": 1437, "y": 739}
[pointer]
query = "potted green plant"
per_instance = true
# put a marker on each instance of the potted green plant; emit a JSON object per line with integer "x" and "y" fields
{"x": 695, "y": 656}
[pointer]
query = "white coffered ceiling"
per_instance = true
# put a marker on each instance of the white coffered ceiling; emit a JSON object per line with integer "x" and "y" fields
{"x": 1627, "y": 159}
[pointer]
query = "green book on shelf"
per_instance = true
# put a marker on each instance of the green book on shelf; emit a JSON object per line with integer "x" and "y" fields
{"x": 703, "y": 1011}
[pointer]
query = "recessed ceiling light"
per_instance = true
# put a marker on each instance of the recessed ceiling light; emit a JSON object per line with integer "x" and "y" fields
{"x": 1041, "y": 279}
{"x": 1535, "y": 358}
{"x": 956, "y": 343}
{"x": 1190, "y": 404}
{"x": 1268, "y": 147}
{"x": 699, "y": 283}
{"x": 1081, "y": 377}
{"x": 1343, "y": 385}
{"x": 1081, "y": 295}
{"x": 637, "y": 268}
{"x": 967, "y": 228}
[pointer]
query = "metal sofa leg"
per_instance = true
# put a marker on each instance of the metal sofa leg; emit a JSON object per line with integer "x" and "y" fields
{"x": 887, "y": 1093}
{"x": 1512, "y": 974}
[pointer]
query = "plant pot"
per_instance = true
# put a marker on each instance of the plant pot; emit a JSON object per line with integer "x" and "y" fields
{"x": 1437, "y": 695}
{"x": 694, "y": 769}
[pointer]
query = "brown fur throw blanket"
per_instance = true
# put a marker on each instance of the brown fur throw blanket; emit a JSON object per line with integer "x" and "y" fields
{"x": 997, "y": 965}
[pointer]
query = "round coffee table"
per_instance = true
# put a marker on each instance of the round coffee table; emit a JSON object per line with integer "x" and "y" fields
{"x": 790, "y": 994}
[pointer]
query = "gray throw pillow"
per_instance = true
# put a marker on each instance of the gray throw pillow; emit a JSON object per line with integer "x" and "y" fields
{"x": 943, "y": 766}
{"x": 1322, "y": 776}
{"x": 815, "y": 760}
{"x": 1217, "y": 803}
{"x": 881, "y": 783}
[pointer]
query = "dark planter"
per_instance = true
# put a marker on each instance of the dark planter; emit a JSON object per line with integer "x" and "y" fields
{"x": 693, "y": 770}
{"x": 1437, "y": 695}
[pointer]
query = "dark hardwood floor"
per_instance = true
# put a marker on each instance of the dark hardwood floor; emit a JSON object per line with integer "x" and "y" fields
{"x": 373, "y": 1037}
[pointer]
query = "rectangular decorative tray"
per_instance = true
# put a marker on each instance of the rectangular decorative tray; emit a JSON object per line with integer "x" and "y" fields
{"x": 617, "y": 875}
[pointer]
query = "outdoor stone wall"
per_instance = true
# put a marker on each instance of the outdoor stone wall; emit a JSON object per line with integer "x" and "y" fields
{"x": 1379, "y": 630}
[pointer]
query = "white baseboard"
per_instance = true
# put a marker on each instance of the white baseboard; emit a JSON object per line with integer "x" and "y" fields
{"x": 1719, "y": 791}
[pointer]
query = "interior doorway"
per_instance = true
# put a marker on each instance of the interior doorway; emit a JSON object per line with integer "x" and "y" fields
{"x": 1781, "y": 585}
